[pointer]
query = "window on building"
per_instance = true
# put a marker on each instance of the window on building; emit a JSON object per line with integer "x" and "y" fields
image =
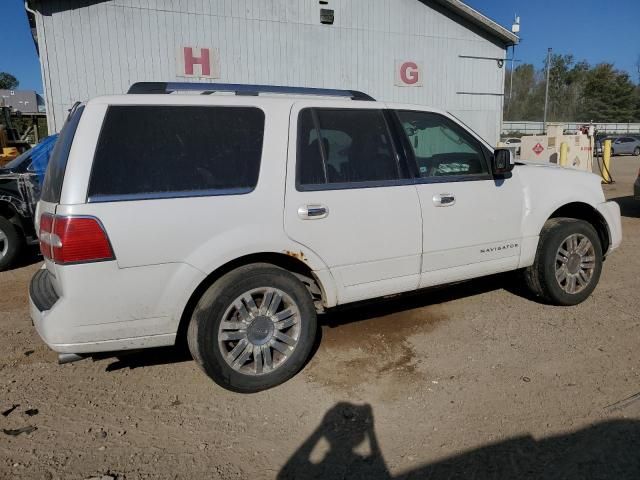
{"x": 155, "y": 151}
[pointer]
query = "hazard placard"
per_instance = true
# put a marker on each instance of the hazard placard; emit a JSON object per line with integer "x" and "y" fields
{"x": 538, "y": 149}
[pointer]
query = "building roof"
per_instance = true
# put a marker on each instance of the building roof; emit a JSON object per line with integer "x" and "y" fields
{"x": 480, "y": 20}
{"x": 25, "y": 101}
{"x": 463, "y": 10}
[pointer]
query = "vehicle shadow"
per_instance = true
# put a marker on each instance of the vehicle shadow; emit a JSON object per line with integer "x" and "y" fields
{"x": 359, "y": 311}
{"x": 353, "y": 312}
{"x": 629, "y": 206}
{"x": 608, "y": 450}
{"x": 146, "y": 358}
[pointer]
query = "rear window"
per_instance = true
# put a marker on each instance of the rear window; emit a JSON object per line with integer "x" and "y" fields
{"x": 172, "y": 151}
{"x": 52, "y": 187}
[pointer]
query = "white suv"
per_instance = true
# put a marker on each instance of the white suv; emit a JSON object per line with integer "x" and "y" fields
{"x": 234, "y": 219}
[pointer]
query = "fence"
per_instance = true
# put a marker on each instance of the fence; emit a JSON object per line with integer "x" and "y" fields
{"x": 537, "y": 128}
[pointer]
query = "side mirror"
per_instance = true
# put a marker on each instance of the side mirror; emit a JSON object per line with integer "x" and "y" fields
{"x": 502, "y": 161}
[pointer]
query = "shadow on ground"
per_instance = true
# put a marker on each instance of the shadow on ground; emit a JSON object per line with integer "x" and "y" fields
{"x": 146, "y": 358}
{"x": 355, "y": 312}
{"x": 345, "y": 446}
{"x": 629, "y": 206}
{"x": 362, "y": 311}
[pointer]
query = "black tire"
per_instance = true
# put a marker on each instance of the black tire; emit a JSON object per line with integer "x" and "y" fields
{"x": 202, "y": 334}
{"x": 636, "y": 151}
{"x": 540, "y": 278}
{"x": 14, "y": 241}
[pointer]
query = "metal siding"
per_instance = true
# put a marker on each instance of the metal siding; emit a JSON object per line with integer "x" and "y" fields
{"x": 103, "y": 47}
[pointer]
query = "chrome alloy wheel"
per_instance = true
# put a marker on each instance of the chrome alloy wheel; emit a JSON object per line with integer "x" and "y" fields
{"x": 4, "y": 244}
{"x": 575, "y": 263}
{"x": 259, "y": 331}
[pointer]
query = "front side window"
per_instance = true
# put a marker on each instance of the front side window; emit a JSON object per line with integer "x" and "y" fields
{"x": 153, "y": 151}
{"x": 441, "y": 147}
{"x": 344, "y": 146}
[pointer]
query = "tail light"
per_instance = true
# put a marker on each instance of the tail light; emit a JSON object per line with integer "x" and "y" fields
{"x": 73, "y": 239}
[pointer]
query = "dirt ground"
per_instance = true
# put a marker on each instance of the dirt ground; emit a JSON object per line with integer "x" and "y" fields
{"x": 468, "y": 381}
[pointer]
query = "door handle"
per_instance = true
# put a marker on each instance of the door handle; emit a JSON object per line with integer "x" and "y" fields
{"x": 313, "y": 212}
{"x": 444, "y": 200}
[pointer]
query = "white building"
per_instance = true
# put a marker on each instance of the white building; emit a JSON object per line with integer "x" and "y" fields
{"x": 434, "y": 52}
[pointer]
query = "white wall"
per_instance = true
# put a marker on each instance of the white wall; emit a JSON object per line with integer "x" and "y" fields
{"x": 91, "y": 48}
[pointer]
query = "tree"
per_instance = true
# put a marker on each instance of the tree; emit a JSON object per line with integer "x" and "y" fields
{"x": 528, "y": 94}
{"x": 566, "y": 81}
{"x": 577, "y": 93}
{"x": 609, "y": 95}
{"x": 8, "y": 81}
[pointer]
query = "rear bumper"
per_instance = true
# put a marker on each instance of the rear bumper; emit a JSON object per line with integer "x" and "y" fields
{"x": 101, "y": 308}
{"x": 44, "y": 321}
{"x": 610, "y": 211}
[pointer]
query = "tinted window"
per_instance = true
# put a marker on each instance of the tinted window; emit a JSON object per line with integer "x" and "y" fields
{"x": 52, "y": 187}
{"x": 156, "y": 151}
{"x": 344, "y": 146}
{"x": 441, "y": 147}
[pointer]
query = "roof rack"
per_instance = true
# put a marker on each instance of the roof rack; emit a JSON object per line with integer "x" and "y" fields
{"x": 243, "y": 89}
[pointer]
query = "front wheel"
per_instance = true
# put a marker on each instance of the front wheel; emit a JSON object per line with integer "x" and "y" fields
{"x": 636, "y": 151}
{"x": 568, "y": 262}
{"x": 253, "y": 329}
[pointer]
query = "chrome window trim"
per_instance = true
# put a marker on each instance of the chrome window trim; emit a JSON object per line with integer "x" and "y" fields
{"x": 128, "y": 197}
{"x": 354, "y": 185}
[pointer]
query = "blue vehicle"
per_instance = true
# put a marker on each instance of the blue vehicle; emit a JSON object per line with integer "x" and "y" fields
{"x": 20, "y": 184}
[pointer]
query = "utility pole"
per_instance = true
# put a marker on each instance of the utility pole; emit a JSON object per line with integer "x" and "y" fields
{"x": 515, "y": 28}
{"x": 513, "y": 54}
{"x": 546, "y": 91}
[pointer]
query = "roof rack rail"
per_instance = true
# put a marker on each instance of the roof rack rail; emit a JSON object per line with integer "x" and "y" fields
{"x": 243, "y": 89}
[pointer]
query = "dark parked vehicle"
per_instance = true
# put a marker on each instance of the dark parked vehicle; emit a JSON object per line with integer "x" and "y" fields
{"x": 636, "y": 187}
{"x": 20, "y": 183}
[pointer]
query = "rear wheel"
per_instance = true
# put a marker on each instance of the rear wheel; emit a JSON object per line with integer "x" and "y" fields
{"x": 568, "y": 262}
{"x": 253, "y": 329}
{"x": 636, "y": 151}
{"x": 10, "y": 243}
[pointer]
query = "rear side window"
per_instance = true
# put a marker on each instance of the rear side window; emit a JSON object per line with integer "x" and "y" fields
{"x": 176, "y": 151}
{"x": 344, "y": 146}
{"x": 52, "y": 187}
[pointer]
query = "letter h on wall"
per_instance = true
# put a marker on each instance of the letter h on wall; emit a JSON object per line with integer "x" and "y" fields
{"x": 198, "y": 62}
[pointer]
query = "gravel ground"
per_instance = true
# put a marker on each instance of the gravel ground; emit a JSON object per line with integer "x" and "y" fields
{"x": 467, "y": 381}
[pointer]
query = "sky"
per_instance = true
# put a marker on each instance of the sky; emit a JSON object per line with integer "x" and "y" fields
{"x": 591, "y": 30}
